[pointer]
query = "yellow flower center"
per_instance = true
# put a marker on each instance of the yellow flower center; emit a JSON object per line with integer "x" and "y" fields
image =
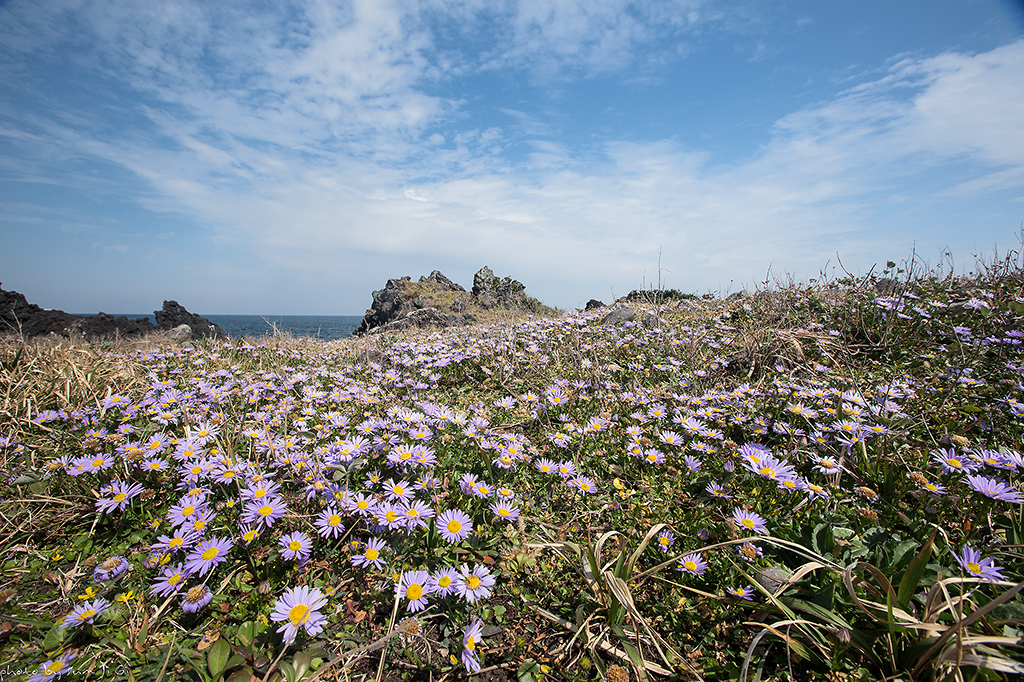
{"x": 690, "y": 565}
{"x": 749, "y": 523}
{"x": 98, "y": 462}
{"x": 391, "y": 516}
{"x": 188, "y": 511}
{"x": 87, "y": 614}
{"x": 444, "y": 581}
{"x": 175, "y": 543}
{"x": 974, "y": 568}
{"x": 174, "y": 579}
{"x": 454, "y": 527}
{"x": 295, "y": 545}
{"x": 954, "y": 463}
{"x": 503, "y": 512}
{"x": 473, "y": 582}
{"x": 372, "y": 554}
{"x": 413, "y": 592}
{"x": 54, "y": 668}
{"x": 298, "y": 614}
{"x": 470, "y": 643}
{"x": 199, "y": 525}
{"x": 333, "y": 520}
{"x": 210, "y": 553}
{"x": 266, "y": 510}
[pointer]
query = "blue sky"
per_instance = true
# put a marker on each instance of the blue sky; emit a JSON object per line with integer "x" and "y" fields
{"x": 289, "y": 157}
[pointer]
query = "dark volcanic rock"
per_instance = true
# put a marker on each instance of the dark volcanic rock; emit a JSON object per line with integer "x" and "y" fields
{"x": 618, "y": 315}
{"x": 387, "y": 306}
{"x": 18, "y": 316}
{"x": 593, "y": 304}
{"x": 420, "y": 319}
{"x": 173, "y": 315}
{"x": 404, "y": 304}
{"x": 438, "y": 278}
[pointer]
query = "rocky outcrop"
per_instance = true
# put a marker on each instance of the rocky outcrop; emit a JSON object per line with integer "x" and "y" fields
{"x": 593, "y": 304}
{"x": 21, "y": 318}
{"x": 173, "y": 316}
{"x": 440, "y": 279}
{"x": 620, "y": 314}
{"x": 436, "y": 301}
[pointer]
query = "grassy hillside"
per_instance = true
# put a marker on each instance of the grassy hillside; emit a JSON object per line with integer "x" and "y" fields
{"x": 818, "y": 482}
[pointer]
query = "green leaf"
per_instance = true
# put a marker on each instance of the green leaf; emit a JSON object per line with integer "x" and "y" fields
{"x": 217, "y": 657}
{"x": 528, "y": 671}
{"x": 301, "y": 661}
{"x": 54, "y": 638}
{"x": 287, "y": 670}
{"x": 247, "y": 633}
{"x": 914, "y": 573}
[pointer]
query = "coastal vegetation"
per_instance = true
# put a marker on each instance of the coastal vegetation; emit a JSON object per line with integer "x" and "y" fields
{"x": 819, "y": 480}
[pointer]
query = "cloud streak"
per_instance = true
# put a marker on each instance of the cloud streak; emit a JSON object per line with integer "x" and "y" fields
{"x": 325, "y": 132}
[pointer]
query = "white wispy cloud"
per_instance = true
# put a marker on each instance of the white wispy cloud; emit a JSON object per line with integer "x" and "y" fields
{"x": 310, "y": 135}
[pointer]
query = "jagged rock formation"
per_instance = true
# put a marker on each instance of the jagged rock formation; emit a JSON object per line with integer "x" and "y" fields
{"x": 436, "y": 301}
{"x": 21, "y": 318}
{"x": 173, "y": 315}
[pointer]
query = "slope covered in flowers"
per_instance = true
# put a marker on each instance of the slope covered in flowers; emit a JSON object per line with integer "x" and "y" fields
{"x": 813, "y": 481}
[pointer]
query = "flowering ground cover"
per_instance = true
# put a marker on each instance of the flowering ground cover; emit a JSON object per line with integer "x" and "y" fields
{"x": 822, "y": 481}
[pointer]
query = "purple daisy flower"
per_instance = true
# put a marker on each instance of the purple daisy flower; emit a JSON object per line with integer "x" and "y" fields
{"x": 55, "y": 668}
{"x": 179, "y": 539}
{"x": 170, "y": 582}
{"x": 196, "y": 598}
{"x": 414, "y": 586}
{"x": 470, "y": 639}
{"x": 207, "y": 554}
{"x": 186, "y": 509}
{"x": 545, "y": 466}
{"x": 749, "y": 552}
{"x": 749, "y": 521}
{"x": 974, "y": 566}
{"x": 111, "y": 568}
{"x": 716, "y": 490}
{"x": 505, "y": 511}
{"x": 265, "y": 511}
{"x": 475, "y": 584}
{"x": 296, "y": 546}
{"x": 84, "y": 613}
{"x": 743, "y": 592}
{"x": 951, "y": 462}
{"x": 454, "y": 525}
{"x": 996, "y": 489}
{"x": 372, "y": 554}
{"x": 583, "y": 484}
{"x": 693, "y": 564}
{"x": 416, "y": 514}
{"x": 297, "y": 608}
{"x": 443, "y": 582}
{"x": 665, "y": 540}
{"x": 121, "y": 495}
{"x": 330, "y": 524}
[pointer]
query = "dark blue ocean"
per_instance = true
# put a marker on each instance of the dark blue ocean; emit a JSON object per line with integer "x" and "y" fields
{"x": 324, "y": 327}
